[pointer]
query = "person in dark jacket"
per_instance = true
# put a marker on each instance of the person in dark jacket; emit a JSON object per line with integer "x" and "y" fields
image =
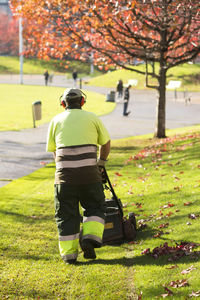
{"x": 126, "y": 100}
{"x": 120, "y": 89}
{"x": 46, "y": 77}
{"x": 75, "y": 77}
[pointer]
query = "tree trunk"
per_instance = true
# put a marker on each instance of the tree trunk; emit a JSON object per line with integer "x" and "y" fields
{"x": 161, "y": 104}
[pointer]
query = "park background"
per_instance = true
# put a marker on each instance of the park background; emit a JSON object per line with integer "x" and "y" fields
{"x": 158, "y": 179}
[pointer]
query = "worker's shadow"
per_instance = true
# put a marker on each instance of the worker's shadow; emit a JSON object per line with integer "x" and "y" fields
{"x": 140, "y": 261}
{"x": 120, "y": 261}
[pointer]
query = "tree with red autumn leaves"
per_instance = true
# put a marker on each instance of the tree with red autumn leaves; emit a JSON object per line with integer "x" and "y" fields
{"x": 163, "y": 33}
{"x": 9, "y": 41}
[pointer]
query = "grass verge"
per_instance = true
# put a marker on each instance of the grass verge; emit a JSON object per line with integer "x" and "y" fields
{"x": 188, "y": 74}
{"x": 16, "y": 105}
{"x": 11, "y": 65}
{"x": 156, "y": 179}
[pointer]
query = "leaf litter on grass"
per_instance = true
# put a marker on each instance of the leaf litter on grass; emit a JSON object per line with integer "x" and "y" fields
{"x": 162, "y": 216}
{"x": 169, "y": 154}
{"x": 174, "y": 253}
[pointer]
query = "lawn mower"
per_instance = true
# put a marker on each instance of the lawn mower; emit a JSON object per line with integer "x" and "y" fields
{"x": 118, "y": 228}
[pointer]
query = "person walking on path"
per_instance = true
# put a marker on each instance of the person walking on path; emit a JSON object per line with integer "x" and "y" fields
{"x": 120, "y": 89}
{"x": 75, "y": 77}
{"x": 126, "y": 101}
{"x": 74, "y": 136}
{"x": 46, "y": 77}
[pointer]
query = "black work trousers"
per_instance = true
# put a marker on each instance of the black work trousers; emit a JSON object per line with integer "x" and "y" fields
{"x": 67, "y": 199}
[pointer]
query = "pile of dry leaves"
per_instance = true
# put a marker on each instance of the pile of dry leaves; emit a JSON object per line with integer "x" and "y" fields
{"x": 174, "y": 252}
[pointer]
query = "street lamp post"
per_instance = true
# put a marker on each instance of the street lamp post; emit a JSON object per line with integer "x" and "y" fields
{"x": 92, "y": 63}
{"x": 21, "y": 49}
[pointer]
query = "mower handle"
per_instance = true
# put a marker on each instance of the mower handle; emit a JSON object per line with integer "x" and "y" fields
{"x": 106, "y": 179}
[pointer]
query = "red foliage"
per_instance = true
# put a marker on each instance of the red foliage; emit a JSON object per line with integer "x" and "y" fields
{"x": 9, "y": 41}
{"x": 117, "y": 33}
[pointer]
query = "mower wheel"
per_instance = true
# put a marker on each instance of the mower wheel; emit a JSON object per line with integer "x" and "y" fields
{"x": 132, "y": 218}
{"x": 129, "y": 231}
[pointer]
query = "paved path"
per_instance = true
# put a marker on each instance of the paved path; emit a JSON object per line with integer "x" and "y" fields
{"x": 24, "y": 152}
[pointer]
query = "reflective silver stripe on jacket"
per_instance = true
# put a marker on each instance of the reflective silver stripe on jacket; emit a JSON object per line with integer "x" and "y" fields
{"x": 76, "y": 163}
{"x": 93, "y": 219}
{"x": 76, "y": 151}
{"x": 69, "y": 237}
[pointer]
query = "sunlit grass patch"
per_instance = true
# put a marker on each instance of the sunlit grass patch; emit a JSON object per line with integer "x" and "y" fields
{"x": 158, "y": 180}
{"x": 188, "y": 74}
{"x": 16, "y": 105}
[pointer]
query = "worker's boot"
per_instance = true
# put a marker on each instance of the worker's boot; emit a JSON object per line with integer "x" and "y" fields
{"x": 88, "y": 249}
{"x": 72, "y": 261}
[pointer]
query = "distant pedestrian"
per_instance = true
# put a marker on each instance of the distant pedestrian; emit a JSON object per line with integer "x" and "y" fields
{"x": 126, "y": 100}
{"x": 51, "y": 78}
{"x": 187, "y": 97}
{"x": 75, "y": 76}
{"x": 120, "y": 89}
{"x": 46, "y": 77}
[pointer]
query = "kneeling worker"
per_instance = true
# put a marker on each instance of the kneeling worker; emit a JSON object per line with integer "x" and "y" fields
{"x": 74, "y": 136}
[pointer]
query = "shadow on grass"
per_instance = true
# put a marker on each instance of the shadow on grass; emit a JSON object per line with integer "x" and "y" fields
{"x": 5, "y": 70}
{"x": 191, "y": 78}
{"x": 30, "y": 257}
{"x": 140, "y": 260}
{"x": 157, "y": 292}
{"x": 125, "y": 148}
{"x": 186, "y": 153}
{"x": 50, "y": 166}
{"x": 25, "y": 219}
{"x": 143, "y": 260}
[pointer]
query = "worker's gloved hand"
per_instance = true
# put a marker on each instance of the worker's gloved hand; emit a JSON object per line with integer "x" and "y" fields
{"x": 101, "y": 162}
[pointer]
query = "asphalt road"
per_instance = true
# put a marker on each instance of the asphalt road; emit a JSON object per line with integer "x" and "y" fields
{"x": 23, "y": 152}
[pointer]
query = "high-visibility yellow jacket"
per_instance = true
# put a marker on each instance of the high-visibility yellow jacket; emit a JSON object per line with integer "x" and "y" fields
{"x": 74, "y": 135}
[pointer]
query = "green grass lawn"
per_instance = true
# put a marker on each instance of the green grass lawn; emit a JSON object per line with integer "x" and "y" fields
{"x": 16, "y": 105}
{"x": 11, "y": 65}
{"x": 188, "y": 74}
{"x": 158, "y": 180}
